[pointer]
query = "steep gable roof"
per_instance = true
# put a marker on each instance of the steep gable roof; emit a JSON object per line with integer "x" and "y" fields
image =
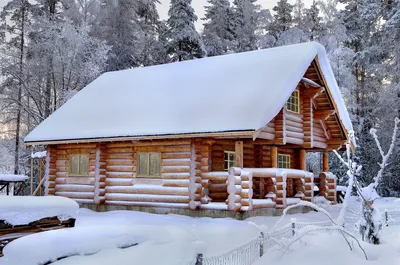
{"x": 236, "y": 92}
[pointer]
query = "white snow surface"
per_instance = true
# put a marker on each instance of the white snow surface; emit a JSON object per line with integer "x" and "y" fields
{"x": 162, "y": 239}
{"x": 107, "y": 238}
{"x": 19, "y": 210}
{"x": 12, "y": 177}
{"x": 39, "y": 154}
{"x": 235, "y": 92}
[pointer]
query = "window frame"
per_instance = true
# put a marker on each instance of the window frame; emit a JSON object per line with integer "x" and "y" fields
{"x": 138, "y": 175}
{"x": 80, "y": 174}
{"x": 286, "y": 161}
{"x": 296, "y": 105}
{"x": 229, "y": 161}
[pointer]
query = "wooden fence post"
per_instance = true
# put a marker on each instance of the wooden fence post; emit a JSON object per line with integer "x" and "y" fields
{"x": 199, "y": 259}
{"x": 293, "y": 220}
{"x": 262, "y": 244}
{"x": 386, "y": 217}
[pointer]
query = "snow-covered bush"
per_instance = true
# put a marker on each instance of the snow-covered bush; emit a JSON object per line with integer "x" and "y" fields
{"x": 370, "y": 223}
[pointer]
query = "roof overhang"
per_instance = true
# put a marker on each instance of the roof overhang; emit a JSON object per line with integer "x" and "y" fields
{"x": 224, "y": 134}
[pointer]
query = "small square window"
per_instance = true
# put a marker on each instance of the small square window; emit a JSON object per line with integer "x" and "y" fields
{"x": 229, "y": 159}
{"x": 149, "y": 165}
{"x": 79, "y": 165}
{"x": 283, "y": 161}
{"x": 293, "y": 103}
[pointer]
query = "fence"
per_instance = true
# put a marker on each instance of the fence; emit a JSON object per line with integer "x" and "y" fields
{"x": 253, "y": 250}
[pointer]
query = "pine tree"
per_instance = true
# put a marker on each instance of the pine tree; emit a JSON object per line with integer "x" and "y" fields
{"x": 245, "y": 19}
{"x": 117, "y": 24}
{"x": 218, "y": 32}
{"x": 283, "y": 19}
{"x": 313, "y": 22}
{"x": 184, "y": 43}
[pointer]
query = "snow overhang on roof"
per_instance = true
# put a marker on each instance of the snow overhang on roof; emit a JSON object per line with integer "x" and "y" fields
{"x": 235, "y": 92}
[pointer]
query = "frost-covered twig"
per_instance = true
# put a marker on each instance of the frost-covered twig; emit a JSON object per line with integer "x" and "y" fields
{"x": 384, "y": 156}
{"x": 315, "y": 207}
{"x": 308, "y": 229}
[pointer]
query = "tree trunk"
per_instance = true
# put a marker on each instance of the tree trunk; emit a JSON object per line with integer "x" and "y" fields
{"x": 18, "y": 119}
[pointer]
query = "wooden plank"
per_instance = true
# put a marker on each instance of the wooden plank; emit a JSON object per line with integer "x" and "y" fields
{"x": 239, "y": 153}
{"x": 274, "y": 156}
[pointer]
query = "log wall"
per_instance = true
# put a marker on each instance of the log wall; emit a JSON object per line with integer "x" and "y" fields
{"x": 79, "y": 188}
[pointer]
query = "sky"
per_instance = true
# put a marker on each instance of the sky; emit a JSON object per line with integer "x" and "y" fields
{"x": 198, "y": 5}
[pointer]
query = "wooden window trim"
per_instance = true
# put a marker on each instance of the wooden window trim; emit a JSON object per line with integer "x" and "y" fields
{"x": 148, "y": 176}
{"x": 229, "y": 161}
{"x": 287, "y": 160}
{"x": 296, "y": 105}
{"x": 72, "y": 175}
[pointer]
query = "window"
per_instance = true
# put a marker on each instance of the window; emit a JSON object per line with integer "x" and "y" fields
{"x": 283, "y": 161}
{"x": 79, "y": 165}
{"x": 229, "y": 159}
{"x": 293, "y": 103}
{"x": 149, "y": 165}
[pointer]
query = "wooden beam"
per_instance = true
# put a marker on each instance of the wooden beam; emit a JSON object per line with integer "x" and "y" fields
{"x": 303, "y": 163}
{"x": 327, "y": 133}
{"x": 230, "y": 134}
{"x": 239, "y": 153}
{"x": 274, "y": 156}
{"x": 256, "y": 134}
{"x": 323, "y": 114}
{"x": 325, "y": 162}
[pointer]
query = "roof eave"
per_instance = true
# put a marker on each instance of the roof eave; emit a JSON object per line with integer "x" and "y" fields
{"x": 229, "y": 134}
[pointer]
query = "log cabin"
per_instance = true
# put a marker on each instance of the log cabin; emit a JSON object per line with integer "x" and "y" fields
{"x": 226, "y": 133}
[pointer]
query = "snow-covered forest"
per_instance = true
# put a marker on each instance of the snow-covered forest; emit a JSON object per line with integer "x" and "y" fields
{"x": 50, "y": 49}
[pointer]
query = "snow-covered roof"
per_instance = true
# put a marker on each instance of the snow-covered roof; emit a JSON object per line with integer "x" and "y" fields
{"x": 19, "y": 210}
{"x": 236, "y": 92}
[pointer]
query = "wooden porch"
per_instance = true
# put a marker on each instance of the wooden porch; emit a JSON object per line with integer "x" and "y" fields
{"x": 245, "y": 189}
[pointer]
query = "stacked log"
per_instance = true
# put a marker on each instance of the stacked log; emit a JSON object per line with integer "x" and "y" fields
{"x": 173, "y": 189}
{"x": 217, "y": 185}
{"x": 281, "y": 178}
{"x": 100, "y": 175}
{"x": 319, "y": 136}
{"x": 120, "y": 162}
{"x": 309, "y": 187}
{"x": 81, "y": 189}
{"x": 246, "y": 193}
{"x": 294, "y": 128}
{"x": 280, "y": 127}
{"x": 308, "y": 124}
{"x": 234, "y": 189}
{"x": 332, "y": 188}
{"x": 195, "y": 177}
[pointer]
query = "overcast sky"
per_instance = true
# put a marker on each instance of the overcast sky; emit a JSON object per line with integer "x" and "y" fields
{"x": 199, "y": 7}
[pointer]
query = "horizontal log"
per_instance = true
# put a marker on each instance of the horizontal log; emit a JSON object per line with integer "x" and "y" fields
{"x": 163, "y": 142}
{"x": 171, "y": 155}
{"x": 295, "y": 135}
{"x": 76, "y": 146}
{"x": 119, "y": 182}
{"x": 74, "y": 188}
{"x": 219, "y": 195}
{"x": 223, "y": 187}
{"x": 121, "y": 169}
{"x": 119, "y": 175}
{"x": 149, "y": 189}
{"x": 119, "y": 162}
{"x": 176, "y": 175}
{"x": 175, "y": 169}
{"x": 149, "y": 204}
{"x": 147, "y": 198}
{"x": 162, "y": 149}
{"x": 266, "y": 135}
{"x": 176, "y": 182}
{"x": 120, "y": 156}
{"x": 176, "y": 162}
{"x": 292, "y": 140}
{"x": 77, "y": 195}
{"x": 219, "y": 176}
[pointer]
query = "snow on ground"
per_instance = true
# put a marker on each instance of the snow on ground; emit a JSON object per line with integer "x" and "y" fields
{"x": 331, "y": 249}
{"x": 111, "y": 238}
{"x": 19, "y": 210}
